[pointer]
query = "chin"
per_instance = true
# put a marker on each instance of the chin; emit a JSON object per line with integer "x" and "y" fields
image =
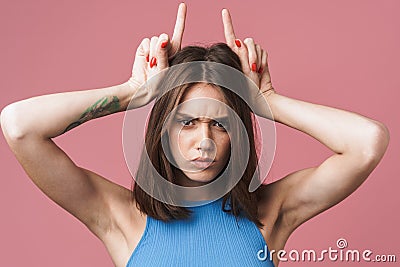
{"x": 200, "y": 177}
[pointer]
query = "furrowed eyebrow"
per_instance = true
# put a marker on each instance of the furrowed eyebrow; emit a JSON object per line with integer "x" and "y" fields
{"x": 223, "y": 118}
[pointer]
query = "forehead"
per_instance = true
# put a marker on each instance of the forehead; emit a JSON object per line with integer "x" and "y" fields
{"x": 203, "y": 90}
{"x": 203, "y": 100}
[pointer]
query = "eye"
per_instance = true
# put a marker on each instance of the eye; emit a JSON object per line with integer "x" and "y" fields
{"x": 185, "y": 122}
{"x": 221, "y": 125}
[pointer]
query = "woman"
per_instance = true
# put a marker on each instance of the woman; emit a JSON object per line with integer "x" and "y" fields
{"x": 125, "y": 224}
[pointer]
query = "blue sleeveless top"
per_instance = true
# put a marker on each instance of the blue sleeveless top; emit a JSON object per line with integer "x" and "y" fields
{"x": 211, "y": 237}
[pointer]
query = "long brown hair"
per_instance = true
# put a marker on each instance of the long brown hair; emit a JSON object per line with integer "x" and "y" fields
{"x": 241, "y": 200}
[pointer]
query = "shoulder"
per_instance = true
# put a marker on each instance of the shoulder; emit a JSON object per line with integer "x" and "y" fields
{"x": 274, "y": 198}
{"x": 127, "y": 225}
{"x": 118, "y": 216}
{"x": 269, "y": 203}
{"x": 126, "y": 216}
{"x": 277, "y": 227}
{"x": 117, "y": 207}
{"x": 276, "y": 230}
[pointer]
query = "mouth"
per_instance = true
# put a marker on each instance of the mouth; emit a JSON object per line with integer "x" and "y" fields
{"x": 202, "y": 162}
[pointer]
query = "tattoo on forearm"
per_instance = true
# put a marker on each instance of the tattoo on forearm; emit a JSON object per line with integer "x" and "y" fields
{"x": 103, "y": 106}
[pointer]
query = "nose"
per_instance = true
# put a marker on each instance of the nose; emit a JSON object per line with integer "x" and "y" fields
{"x": 206, "y": 143}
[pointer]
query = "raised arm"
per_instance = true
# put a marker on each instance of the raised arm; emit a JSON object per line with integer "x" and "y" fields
{"x": 29, "y": 126}
{"x": 358, "y": 142}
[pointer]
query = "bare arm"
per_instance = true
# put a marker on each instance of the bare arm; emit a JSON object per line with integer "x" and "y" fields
{"x": 29, "y": 126}
{"x": 48, "y": 116}
{"x": 358, "y": 142}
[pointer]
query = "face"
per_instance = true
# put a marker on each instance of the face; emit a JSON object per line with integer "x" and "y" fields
{"x": 198, "y": 137}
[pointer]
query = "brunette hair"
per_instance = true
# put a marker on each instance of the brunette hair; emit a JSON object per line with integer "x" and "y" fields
{"x": 241, "y": 200}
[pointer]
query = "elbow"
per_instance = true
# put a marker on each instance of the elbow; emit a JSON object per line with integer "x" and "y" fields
{"x": 377, "y": 143}
{"x": 10, "y": 123}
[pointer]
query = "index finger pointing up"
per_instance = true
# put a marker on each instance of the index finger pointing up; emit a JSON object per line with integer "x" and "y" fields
{"x": 179, "y": 27}
{"x": 228, "y": 27}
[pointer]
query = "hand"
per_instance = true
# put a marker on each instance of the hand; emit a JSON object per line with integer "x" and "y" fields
{"x": 252, "y": 57}
{"x": 152, "y": 57}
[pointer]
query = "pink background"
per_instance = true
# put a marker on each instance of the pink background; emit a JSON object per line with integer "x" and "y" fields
{"x": 343, "y": 54}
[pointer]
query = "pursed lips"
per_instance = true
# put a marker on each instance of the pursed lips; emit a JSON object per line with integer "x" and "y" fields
{"x": 202, "y": 162}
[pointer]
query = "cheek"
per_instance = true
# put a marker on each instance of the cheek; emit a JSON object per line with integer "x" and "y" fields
{"x": 224, "y": 145}
{"x": 178, "y": 143}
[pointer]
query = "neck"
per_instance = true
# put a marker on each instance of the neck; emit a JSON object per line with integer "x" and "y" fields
{"x": 189, "y": 195}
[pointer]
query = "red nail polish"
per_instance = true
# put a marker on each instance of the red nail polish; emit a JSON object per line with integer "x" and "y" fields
{"x": 237, "y": 42}
{"x": 253, "y": 67}
{"x": 260, "y": 70}
{"x": 153, "y": 62}
{"x": 164, "y": 44}
{"x": 147, "y": 58}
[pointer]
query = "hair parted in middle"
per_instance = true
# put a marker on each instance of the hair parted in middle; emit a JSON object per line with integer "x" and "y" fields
{"x": 242, "y": 202}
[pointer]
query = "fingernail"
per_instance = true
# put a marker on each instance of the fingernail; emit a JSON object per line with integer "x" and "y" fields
{"x": 260, "y": 70}
{"x": 153, "y": 62}
{"x": 237, "y": 42}
{"x": 147, "y": 58}
{"x": 164, "y": 44}
{"x": 253, "y": 67}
